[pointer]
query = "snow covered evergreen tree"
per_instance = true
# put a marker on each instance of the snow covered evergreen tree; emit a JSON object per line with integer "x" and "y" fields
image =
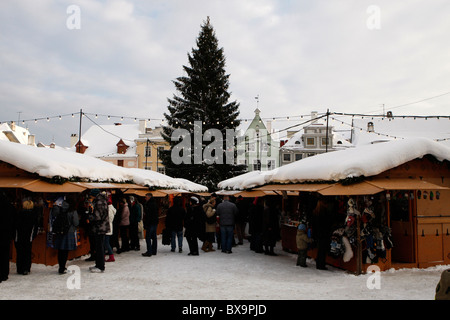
{"x": 202, "y": 100}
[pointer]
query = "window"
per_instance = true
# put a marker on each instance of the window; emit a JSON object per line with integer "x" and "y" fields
{"x": 298, "y": 156}
{"x": 256, "y": 165}
{"x": 324, "y": 141}
{"x": 287, "y": 157}
{"x": 162, "y": 170}
{"x": 148, "y": 151}
{"x": 270, "y": 164}
{"x": 310, "y": 141}
{"x": 160, "y": 152}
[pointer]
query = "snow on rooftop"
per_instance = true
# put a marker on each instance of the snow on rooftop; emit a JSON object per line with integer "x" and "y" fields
{"x": 365, "y": 160}
{"x": 397, "y": 127}
{"x": 102, "y": 141}
{"x": 48, "y": 162}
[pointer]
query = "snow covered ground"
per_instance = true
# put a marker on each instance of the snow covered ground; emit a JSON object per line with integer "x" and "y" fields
{"x": 242, "y": 275}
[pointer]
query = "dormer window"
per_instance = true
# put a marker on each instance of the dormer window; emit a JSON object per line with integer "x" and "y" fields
{"x": 122, "y": 147}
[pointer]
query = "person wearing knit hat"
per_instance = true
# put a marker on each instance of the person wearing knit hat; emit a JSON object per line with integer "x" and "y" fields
{"x": 302, "y": 245}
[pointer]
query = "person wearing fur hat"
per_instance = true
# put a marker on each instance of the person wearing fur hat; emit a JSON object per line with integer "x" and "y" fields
{"x": 302, "y": 245}
{"x": 100, "y": 226}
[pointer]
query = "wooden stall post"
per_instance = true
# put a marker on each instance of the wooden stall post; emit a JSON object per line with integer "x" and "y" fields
{"x": 358, "y": 246}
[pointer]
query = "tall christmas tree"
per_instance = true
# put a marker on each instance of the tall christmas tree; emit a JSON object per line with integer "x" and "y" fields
{"x": 202, "y": 104}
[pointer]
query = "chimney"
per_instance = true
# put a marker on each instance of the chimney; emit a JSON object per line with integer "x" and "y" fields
{"x": 142, "y": 126}
{"x": 73, "y": 139}
{"x": 13, "y": 126}
{"x": 31, "y": 140}
{"x": 314, "y": 116}
{"x": 269, "y": 126}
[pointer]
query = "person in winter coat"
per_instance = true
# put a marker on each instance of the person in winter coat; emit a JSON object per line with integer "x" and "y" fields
{"x": 227, "y": 212}
{"x": 255, "y": 224}
{"x": 26, "y": 225}
{"x": 99, "y": 221}
{"x": 210, "y": 225}
{"x": 135, "y": 218}
{"x": 111, "y": 215}
{"x": 321, "y": 225}
{"x": 65, "y": 242}
{"x": 302, "y": 245}
{"x": 194, "y": 224}
{"x": 7, "y": 213}
{"x": 271, "y": 230}
{"x": 174, "y": 223}
{"x": 242, "y": 218}
{"x": 124, "y": 225}
{"x": 151, "y": 220}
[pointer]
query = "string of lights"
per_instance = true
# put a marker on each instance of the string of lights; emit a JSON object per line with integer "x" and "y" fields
{"x": 333, "y": 116}
{"x": 245, "y": 120}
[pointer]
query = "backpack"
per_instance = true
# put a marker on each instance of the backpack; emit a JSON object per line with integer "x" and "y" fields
{"x": 61, "y": 223}
{"x": 212, "y": 219}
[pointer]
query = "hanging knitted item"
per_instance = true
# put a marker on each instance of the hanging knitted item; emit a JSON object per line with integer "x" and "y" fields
{"x": 348, "y": 254}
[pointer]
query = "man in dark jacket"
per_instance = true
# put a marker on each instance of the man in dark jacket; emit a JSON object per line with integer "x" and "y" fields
{"x": 227, "y": 212}
{"x": 174, "y": 223}
{"x": 135, "y": 217}
{"x": 99, "y": 221}
{"x": 194, "y": 224}
{"x": 151, "y": 219}
{"x": 7, "y": 213}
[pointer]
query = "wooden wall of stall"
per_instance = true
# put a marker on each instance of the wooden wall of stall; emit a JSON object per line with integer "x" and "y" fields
{"x": 422, "y": 241}
{"x": 430, "y": 227}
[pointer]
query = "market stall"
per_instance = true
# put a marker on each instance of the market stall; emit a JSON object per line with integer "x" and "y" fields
{"x": 45, "y": 175}
{"x": 398, "y": 191}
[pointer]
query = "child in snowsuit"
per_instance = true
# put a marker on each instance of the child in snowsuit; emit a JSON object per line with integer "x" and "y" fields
{"x": 302, "y": 245}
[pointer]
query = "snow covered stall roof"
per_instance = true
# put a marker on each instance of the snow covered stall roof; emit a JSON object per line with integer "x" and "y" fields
{"x": 51, "y": 163}
{"x": 366, "y": 160}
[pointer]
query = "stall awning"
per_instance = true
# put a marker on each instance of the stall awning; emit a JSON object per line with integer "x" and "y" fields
{"x": 42, "y": 186}
{"x": 142, "y": 192}
{"x": 107, "y": 185}
{"x": 306, "y": 187}
{"x": 15, "y": 182}
{"x": 362, "y": 188}
{"x": 244, "y": 193}
{"x": 404, "y": 184}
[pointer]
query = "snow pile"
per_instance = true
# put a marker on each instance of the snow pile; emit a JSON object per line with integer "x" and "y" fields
{"x": 365, "y": 160}
{"x": 242, "y": 275}
{"x": 49, "y": 163}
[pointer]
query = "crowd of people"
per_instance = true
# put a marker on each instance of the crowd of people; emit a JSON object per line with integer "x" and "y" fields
{"x": 116, "y": 223}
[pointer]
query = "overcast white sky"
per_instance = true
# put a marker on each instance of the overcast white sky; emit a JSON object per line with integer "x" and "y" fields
{"x": 298, "y": 56}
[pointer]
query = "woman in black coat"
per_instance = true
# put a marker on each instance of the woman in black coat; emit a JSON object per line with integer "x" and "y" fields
{"x": 26, "y": 227}
{"x": 7, "y": 212}
{"x": 271, "y": 228}
{"x": 194, "y": 224}
{"x": 321, "y": 225}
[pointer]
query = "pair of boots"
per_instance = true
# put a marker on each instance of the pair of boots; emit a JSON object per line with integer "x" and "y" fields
{"x": 110, "y": 258}
{"x": 207, "y": 246}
